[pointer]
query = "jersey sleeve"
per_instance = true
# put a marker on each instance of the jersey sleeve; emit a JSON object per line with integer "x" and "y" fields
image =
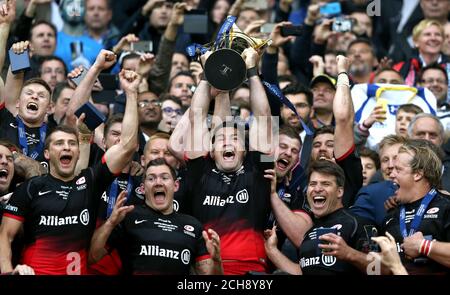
{"x": 260, "y": 161}
{"x": 300, "y": 204}
{"x": 101, "y": 176}
{"x": 351, "y": 164}
{"x": 19, "y": 203}
{"x": 202, "y": 252}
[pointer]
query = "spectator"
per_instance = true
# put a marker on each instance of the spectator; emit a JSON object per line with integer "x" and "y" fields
{"x": 428, "y": 38}
{"x": 364, "y": 60}
{"x": 171, "y": 114}
{"x": 370, "y": 164}
{"x": 388, "y": 76}
{"x": 98, "y": 23}
{"x": 405, "y": 113}
{"x": 182, "y": 86}
{"x": 61, "y": 96}
{"x": 52, "y": 70}
{"x": 434, "y": 77}
{"x": 149, "y": 117}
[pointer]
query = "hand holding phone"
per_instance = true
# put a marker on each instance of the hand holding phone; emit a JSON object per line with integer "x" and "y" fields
{"x": 342, "y": 25}
{"x": 195, "y": 22}
{"x": 323, "y": 231}
{"x": 331, "y": 9}
{"x": 19, "y": 57}
{"x": 93, "y": 116}
{"x": 291, "y": 31}
{"x": 142, "y": 46}
{"x": 77, "y": 75}
{"x": 383, "y": 103}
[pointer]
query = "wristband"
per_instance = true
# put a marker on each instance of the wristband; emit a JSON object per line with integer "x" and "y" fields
{"x": 343, "y": 80}
{"x": 365, "y": 126}
{"x": 252, "y": 72}
{"x": 425, "y": 247}
{"x": 342, "y": 73}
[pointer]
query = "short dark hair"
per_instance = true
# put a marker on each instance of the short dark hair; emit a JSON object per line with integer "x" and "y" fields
{"x": 410, "y": 108}
{"x": 127, "y": 56}
{"x": 323, "y": 130}
{"x": 227, "y": 124}
{"x": 368, "y": 153}
{"x": 433, "y": 66}
{"x": 116, "y": 118}
{"x": 49, "y": 58}
{"x": 59, "y": 87}
{"x": 166, "y": 96}
{"x": 299, "y": 89}
{"x": 365, "y": 41}
{"x": 160, "y": 162}
{"x": 62, "y": 128}
{"x": 40, "y": 82}
{"x": 42, "y": 22}
{"x": 9, "y": 145}
{"x": 180, "y": 73}
{"x": 328, "y": 168}
{"x": 290, "y": 132}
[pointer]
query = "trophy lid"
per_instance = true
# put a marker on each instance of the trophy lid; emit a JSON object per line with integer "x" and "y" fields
{"x": 225, "y": 69}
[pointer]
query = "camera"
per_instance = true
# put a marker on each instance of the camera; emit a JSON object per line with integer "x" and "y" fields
{"x": 342, "y": 25}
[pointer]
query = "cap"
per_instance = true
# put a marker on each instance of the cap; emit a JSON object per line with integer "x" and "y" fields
{"x": 323, "y": 78}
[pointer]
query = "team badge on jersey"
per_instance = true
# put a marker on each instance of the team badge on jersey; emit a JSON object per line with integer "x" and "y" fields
{"x": 81, "y": 180}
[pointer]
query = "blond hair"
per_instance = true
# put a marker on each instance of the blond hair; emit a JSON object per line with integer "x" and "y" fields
{"x": 424, "y": 159}
{"x": 426, "y": 23}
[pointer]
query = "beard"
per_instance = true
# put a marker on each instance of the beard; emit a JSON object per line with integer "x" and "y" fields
{"x": 359, "y": 69}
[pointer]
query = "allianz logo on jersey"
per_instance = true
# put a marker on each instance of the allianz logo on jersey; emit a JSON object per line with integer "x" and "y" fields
{"x": 155, "y": 250}
{"x": 53, "y": 220}
{"x": 326, "y": 260}
{"x": 241, "y": 197}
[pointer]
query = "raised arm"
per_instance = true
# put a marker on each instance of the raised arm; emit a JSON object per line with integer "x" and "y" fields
{"x": 6, "y": 18}
{"x": 261, "y": 126}
{"x": 294, "y": 225}
{"x": 119, "y": 155}
{"x": 343, "y": 110}
{"x": 197, "y": 143}
{"x": 222, "y": 109}
{"x": 101, "y": 235}
{"x": 178, "y": 137}
{"x": 14, "y": 82}
{"x": 105, "y": 59}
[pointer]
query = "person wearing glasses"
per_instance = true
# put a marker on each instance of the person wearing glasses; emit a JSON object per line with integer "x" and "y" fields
{"x": 171, "y": 113}
{"x": 149, "y": 110}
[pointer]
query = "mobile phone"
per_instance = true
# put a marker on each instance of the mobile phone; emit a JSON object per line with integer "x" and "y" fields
{"x": 291, "y": 31}
{"x": 331, "y": 9}
{"x": 195, "y": 22}
{"x": 77, "y": 80}
{"x": 383, "y": 102}
{"x": 342, "y": 25}
{"x": 142, "y": 46}
{"x": 322, "y": 231}
{"x": 93, "y": 117}
{"x": 19, "y": 62}
{"x": 267, "y": 28}
{"x": 109, "y": 81}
